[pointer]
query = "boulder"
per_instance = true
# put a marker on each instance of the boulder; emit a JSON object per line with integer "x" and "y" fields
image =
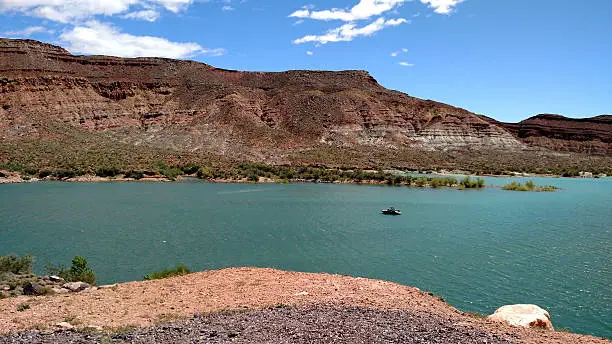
{"x": 523, "y": 315}
{"x": 31, "y": 288}
{"x": 76, "y": 286}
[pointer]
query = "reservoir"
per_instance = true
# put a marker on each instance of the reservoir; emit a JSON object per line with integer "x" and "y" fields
{"x": 479, "y": 249}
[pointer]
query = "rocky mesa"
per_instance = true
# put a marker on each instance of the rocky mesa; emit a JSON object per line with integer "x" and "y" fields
{"x": 591, "y": 136}
{"x": 49, "y": 96}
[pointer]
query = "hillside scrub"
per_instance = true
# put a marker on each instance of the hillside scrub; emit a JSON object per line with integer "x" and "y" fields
{"x": 254, "y": 172}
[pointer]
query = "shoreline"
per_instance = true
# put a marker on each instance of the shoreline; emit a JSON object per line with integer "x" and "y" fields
{"x": 17, "y": 178}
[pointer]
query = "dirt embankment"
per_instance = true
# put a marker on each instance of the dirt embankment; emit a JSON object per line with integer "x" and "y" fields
{"x": 238, "y": 290}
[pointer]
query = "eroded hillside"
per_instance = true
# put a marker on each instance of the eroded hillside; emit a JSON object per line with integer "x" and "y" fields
{"x": 56, "y": 109}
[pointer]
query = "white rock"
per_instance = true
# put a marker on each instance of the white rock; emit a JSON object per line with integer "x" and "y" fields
{"x": 56, "y": 278}
{"x": 523, "y": 315}
{"x": 302, "y": 293}
{"x": 108, "y": 286}
{"x": 76, "y": 286}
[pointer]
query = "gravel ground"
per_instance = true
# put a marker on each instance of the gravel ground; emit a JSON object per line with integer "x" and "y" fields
{"x": 306, "y": 324}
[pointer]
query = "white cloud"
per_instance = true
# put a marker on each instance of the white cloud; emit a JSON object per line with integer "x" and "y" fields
{"x": 27, "y": 32}
{"x": 365, "y": 9}
{"x": 173, "y": 5}
{"x": 406, "y": 64}
{"x": 300, "y": 14}
{"x": 227, "y": 8}
{"x": 98, "y": 38}
{"x": 397, "y": 53}
{"x": 442, "y": 6}
{"x": 348, "y": 32}
{"x": 309, "y": 53}
{"x": 148, "y": 15}
{"x": 66, "y": 11}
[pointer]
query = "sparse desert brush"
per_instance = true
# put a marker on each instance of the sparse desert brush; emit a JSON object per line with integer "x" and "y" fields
{"x": 179, "y": 270}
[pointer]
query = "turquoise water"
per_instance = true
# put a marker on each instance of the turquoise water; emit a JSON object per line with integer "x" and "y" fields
{"x": 478, "y": 249}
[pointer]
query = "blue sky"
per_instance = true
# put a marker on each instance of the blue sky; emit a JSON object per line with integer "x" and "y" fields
{"x": 508, "y": 59}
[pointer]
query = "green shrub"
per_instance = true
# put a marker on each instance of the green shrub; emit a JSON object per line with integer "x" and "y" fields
{"x": 22, "y": 307}
{"x": 107, "y": 172}
{"x": 190, "y": 169}
{"x": 420, "y": 182}
{"x": 2, "y": 175}
{"x": 179, "y": 270}
{"x": 44, "y": 174}
{"x": 6, "y": 107}
{"x": 64, "y": 174}
{"x": 79, "y": 271}
{"x": 437, "y": 182}
{"x": 205, "y": 173}
{"x": 30, "y": 171}
{"x": 170, "y": 172}
{"x": 134, "y": 175}
{"x": 469, "y": 183}
{"x": 17, "y": 265}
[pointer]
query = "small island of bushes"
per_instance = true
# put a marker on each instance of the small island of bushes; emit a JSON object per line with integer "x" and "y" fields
{"x": 528, "y": 186}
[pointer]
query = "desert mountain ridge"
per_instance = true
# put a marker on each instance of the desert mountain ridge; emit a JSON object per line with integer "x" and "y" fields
{"x": 49, "y": 95}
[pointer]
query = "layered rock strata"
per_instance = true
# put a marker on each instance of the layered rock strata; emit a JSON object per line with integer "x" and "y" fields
{"x": 191, "y": 106}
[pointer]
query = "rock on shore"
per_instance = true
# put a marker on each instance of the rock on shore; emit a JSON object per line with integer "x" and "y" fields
{"x": 523, "y": 315}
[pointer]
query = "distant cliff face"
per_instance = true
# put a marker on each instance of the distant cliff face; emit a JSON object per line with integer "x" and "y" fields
{"x": 192, "y": 106}
{"x": 592, "y": 136}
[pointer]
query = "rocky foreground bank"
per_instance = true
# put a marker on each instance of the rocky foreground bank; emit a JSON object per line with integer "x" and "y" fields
{"x": 306, "y": 324}
{"x": 256, "y": 305}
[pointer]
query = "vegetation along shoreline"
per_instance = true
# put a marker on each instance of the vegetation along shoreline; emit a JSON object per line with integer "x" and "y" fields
{"x": 263, "y": 173}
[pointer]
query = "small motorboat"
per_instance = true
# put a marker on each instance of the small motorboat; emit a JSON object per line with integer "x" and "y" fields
{"x": 391, "y": 211}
